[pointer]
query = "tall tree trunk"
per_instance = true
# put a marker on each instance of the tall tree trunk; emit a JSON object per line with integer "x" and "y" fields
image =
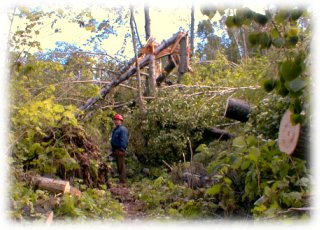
{"x": 136, "y": 56}
{"x": 147, "y": 22}
{"x": 150, "y": 81}
{"x": 244, "y": 42}
{"x": 192, "y": 30}
{"x": 184, "y": 58}
{"x": 237, "y": 44}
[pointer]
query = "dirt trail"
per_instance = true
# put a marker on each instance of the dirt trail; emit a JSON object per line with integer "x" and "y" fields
{"x": 133, "y": 207}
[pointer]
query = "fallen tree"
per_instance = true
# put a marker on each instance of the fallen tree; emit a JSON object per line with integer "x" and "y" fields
{"x": 166, "y": 48}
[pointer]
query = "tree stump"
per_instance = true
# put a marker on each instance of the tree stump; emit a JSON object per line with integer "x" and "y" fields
{"x": 237, "y": 109}
{"x": 294, "y": 140}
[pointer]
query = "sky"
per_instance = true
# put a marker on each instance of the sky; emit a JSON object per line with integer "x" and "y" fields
{"x": 165, "y": 21}
{"x": 165, "y": 28}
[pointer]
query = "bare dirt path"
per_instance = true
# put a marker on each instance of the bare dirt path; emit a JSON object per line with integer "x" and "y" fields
{"x": 132, "y": 206}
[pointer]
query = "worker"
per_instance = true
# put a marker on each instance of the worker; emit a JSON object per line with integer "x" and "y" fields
{"x": 119, "y": 143}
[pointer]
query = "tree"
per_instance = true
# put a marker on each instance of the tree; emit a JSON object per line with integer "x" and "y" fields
{"x": 192, "y": 30}
{"x": 150, "y": 82}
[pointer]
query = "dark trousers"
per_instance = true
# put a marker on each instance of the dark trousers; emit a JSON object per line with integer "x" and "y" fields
{"x": 121, "y": 166}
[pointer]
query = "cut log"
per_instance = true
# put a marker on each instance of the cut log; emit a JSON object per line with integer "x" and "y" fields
{"x": 237, "y": 109}
{"x": 52, "y": 185}
{"x": 49, "y": 218}
{"x": 75, "y": 192}
{"x": 294, "y": 140}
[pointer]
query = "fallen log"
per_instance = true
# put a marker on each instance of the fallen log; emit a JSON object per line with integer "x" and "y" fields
{"x": 237, "y": 109}
{"x": 294, "y": 140}
{"x": 52, "y": 185}
{"x": 55, "y": 185}
{"x": 210, "y": 134}
{"x": 127, "y": 74}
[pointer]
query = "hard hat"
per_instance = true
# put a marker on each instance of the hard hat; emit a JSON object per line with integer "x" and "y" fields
{"x": 118, "y": 117}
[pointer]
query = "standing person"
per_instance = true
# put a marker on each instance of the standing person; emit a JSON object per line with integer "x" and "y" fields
{"x": 119, "y": 143}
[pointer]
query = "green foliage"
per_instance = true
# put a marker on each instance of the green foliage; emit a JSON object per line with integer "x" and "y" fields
{"x": 256, "y": 175}
{"x": 163, "y": 199}
{"x": 93, "y": 204}
{"x": 264, "y": 119}
{"x": 285, "y": 32}
{"x": 28, "y": 204}
{"x": 249, "y": 176}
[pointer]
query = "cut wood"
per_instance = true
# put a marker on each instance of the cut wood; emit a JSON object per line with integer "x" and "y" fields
{"x": 129, "y": 71}
{"x": 237, "y": 109}
{"x": 167, "y": 70}
{"x": 52, "y": 185}
{"x": 49, "y": 218}
{"x": 293, "y": 139}
{"x": 75, "y": 192}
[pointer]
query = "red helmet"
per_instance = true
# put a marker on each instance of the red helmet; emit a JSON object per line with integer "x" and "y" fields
{"x": 118, "y": 117}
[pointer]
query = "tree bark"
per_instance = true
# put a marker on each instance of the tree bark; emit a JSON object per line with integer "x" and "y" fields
{"x": 150, "y": 82}
{"x": 192, "y": 30}
{"x": 147, "y": 21}
{"x": 294, "y": 140}
{"x": 167, "y": 70}
{"x": 184, "y": 58}
{"x": 53, "y": 185}
{"x": 244, "y": 41}
{"x": 141, "y": 106}
{"x": 237, "y": 109}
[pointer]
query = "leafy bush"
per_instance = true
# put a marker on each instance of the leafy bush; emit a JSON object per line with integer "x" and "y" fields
{"x": 264, "y": 119}
{"x": 255, "y": 175}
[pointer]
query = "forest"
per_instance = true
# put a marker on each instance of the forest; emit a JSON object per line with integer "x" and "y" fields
{"x": 218, "y": 115}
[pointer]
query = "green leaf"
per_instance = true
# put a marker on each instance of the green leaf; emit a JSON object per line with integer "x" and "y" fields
{"x": 296, "y": 14}
{"x": 260, "y": 208}
{"x": 290, "y": 70}
{"x": 279, "y": 42}
{"x": 214, "y": 190}
{"x": 254, "y": 154}
{"x": 230, "y": 22}
{"x": 239, "y": 142}
{"x": 296, "y": 84}
{"x": 245, "y": 164}
{"x": 260, "y": 19}
{"x": 251, "y": 140}
{"x": 227, "y": 180}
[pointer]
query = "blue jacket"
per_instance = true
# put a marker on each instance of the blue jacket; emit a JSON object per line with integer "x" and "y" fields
{"x": 120, "y": 138}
